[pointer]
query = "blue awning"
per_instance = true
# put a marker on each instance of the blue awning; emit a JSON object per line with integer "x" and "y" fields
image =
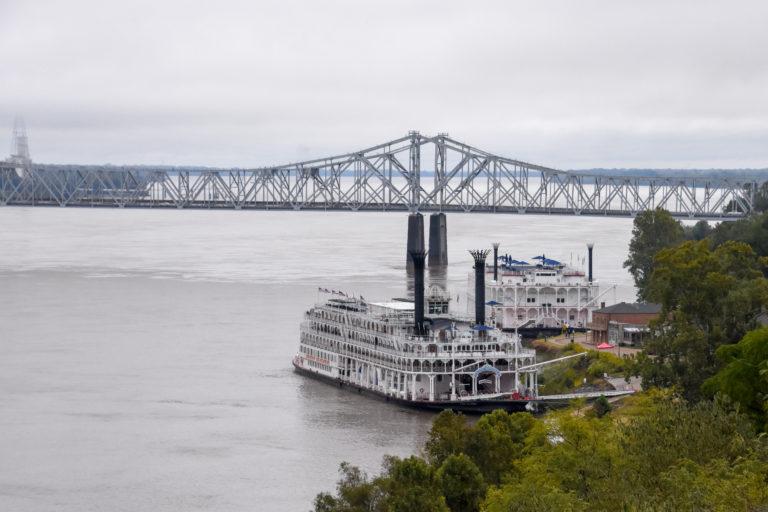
{"x": 546, "y": 261}
{"x": 486, "y": 368}
{"x": 482, "y": 328}
{"x": 493, "y": 303}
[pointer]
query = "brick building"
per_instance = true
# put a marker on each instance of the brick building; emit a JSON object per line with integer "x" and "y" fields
{"x": 622, "y": 322}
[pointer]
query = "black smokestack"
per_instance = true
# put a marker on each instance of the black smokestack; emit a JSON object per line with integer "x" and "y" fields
{"x": 479, "y": 257}
{"x": 589, "y": 259}
{"x": 496, "y": 262}
{"x": 417, "y": 258}
{"x": 415, "y": 237}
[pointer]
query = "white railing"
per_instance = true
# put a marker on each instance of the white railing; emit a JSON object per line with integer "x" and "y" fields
{"x": 587, "y": 394}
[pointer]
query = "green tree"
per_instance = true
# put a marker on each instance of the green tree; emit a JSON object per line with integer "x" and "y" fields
{"x": 493, "y": 443}
{"x": 354, "y": 493}
{"x": 709, "y": 298}
{"x": 448, "y": 436}
{"x": 698, "y": 231}
{"x": 652, "y": 231}
{"x": 410, "y": 484}
{"x": 718, "y": 485}
{"x": 528, "y": 497}
{"x": 744, "y": 376}
{"x": 579, "y": 458}
{"x": 462, "y": 483}
{"x": 601, "y": 406}
{"x": 497, "y": 441}
{"x": 569, "y": 463}
{"x": 761, "y": 198}
{"x": 752, "y": 230}
{"x": 673, "y": 431}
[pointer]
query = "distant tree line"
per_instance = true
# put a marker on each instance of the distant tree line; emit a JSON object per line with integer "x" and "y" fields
{"x": 759, "y": 175}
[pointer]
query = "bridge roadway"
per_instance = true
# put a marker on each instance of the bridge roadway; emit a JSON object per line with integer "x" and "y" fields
{"x": 386, "y": 177}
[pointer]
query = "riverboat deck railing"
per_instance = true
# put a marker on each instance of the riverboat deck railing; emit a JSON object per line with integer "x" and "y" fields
{"x": 522, "y": 353}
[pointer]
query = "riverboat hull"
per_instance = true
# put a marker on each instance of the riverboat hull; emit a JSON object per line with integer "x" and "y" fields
{"x": 472, "y": 406}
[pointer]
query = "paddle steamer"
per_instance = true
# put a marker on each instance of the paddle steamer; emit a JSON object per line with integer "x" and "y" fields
{"x": 540, "y": 297}
{"x": 438, "y": 360}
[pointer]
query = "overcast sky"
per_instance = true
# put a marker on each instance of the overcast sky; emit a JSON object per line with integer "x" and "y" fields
{"x": 570, "y": 84}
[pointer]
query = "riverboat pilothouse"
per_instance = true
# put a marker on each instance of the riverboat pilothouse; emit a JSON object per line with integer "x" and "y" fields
{"x": 394, "y": 351}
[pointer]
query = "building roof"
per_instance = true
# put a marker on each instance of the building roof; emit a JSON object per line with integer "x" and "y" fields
{"x": 626, "y": 308}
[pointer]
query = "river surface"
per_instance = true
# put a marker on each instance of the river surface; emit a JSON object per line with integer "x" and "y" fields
{"x": 145, "y": 354}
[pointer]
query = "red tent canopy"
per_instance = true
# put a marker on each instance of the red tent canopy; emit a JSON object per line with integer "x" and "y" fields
{"x": 604, "y": 346}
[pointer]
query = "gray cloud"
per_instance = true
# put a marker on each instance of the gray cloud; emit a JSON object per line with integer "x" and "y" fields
{"x": 566, "y": 84}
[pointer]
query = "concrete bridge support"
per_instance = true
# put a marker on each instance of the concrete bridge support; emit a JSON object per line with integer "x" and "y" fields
{"x": 438, "y": 240}
{"x": 415, "y": 238}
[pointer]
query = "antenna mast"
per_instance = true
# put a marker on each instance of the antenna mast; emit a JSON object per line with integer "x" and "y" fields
{"x": 20, "y": 146}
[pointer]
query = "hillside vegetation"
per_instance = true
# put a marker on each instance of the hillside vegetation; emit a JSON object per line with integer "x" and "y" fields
{"x": 586, "y": 372}
{"x": 657, "y": 452}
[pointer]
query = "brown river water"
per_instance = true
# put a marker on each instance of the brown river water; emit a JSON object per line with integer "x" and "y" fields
{"x": 145, "y": 354}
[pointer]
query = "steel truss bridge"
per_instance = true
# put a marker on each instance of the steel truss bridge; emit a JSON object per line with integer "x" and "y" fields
{"x": 387, "y": 177}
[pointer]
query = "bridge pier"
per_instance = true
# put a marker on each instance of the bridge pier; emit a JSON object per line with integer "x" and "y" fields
{"x": 438, "y": 240}
{"x": 415, "y": 238}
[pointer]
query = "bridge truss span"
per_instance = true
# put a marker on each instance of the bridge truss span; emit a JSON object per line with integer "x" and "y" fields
{"x": 411, "y": 173}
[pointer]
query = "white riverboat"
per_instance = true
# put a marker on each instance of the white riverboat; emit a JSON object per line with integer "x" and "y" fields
{"x": 394, "y": 351}
{"x": 540, "y": 295}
